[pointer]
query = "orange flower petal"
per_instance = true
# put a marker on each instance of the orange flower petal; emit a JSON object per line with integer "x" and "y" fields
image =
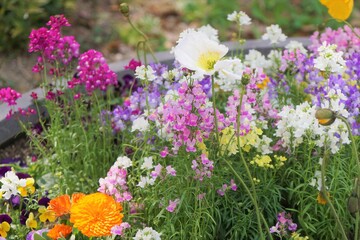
{"x": 95, "y": 214}
{"x": 60, "y": 205}
{"x": 59, "y": 230}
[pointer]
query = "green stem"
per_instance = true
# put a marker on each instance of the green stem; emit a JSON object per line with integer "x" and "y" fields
{"x": 214, "y": 108}
{"x": 253, "y": 189}
{"x": 328, "y": 201}
{"x": 146, "y": 39}
{"x": 357, "y": 226}
{"x": 353, "y": 142}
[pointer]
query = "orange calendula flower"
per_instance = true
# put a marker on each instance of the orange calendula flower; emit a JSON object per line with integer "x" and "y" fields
{"x": 95, "y": 214}
{"x": 60, "y": 205}
{"x": 76, "y": 197}
{"x": 339, "y": 9}
{"x": 59, "y": 230}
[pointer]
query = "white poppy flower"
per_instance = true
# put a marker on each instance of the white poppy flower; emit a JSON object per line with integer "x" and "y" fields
{"x": 197, "y": 52}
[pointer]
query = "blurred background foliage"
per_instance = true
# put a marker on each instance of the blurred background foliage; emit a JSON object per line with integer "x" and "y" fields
{"x": 18, "y": 17}
{"x": 98, "y": 24}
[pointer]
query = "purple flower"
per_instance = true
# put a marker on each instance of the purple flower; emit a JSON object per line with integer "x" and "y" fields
{"x": 31, "y": 234}
{"x": 119, "y": 229}
{"x": 172, "y": 205}
{"x": 5, "y": 218}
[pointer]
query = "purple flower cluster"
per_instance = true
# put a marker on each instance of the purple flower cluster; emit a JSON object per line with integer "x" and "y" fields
{"x": 283, "y": 225}
{"x": 9, "y": 96}
{"x": 115, "y": 184}
{"x": 344, "y": 38}
{"x": 93, "y": 72}
{"x": 203, "y": 167}
{"x": 225, "y": 187}
{"x": 52, "y": 46}
{"x": 188, "y": 118}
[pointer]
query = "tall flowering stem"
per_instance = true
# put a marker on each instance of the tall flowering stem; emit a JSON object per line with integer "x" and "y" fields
{"x": 252, "y": 193}
{"x": 214, "y": 107}
{"x": 124, "y": 9}
{"x": 353, "y": 142}
{"x": 355, "y": 156}
{"x": 326, "y": 196}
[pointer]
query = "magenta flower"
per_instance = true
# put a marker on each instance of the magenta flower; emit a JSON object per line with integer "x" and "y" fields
{"x": 133, "y": 64}
{"x": 9, "y": 96}
{"x": 94, "y": 73}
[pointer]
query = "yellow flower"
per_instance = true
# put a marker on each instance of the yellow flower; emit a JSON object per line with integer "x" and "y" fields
{"x": 31, "y": 222}
{"x": 263, "y": 161}
{"x": 339, "y": 9}
{"x": 264, "y": 83}
{"x": 28, "y": 188}
{"x": 46, "y": 214}
{"x": 4, "y": 228}
{"x": 95, "y": 214}
{"x": 1, "y": 193}
{"x": 296, "y": 236}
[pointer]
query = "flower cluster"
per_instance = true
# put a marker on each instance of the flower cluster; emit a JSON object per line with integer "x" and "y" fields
{"x": 93, "y": 72}
{"x": 9, "y": 96}
{"x": 52, "y": 46}
{"x": 115, "y": 182}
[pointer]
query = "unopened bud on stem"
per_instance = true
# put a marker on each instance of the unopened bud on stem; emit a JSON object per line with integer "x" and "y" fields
{"x": 325, "y": 116}
{"x": 124, "y": 9}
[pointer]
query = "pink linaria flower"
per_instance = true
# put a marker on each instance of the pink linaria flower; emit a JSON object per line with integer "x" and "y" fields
{"x": 172, "y": 205}
{"x": 9, "y": 96}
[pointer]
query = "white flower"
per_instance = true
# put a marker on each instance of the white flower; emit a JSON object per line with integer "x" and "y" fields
{"x": 274, "y": 34}
{"x": 140, "y": 124}
{"x": 230, "y": 72}
{"x": 147, "y": 233}
{"x": 240, "y": 17}
{"x": 10, "y": 183}
{"x": 145, "y": 181}
{"x": 197, "y": 52}
{"x": 254, "y": 59}
{"x": 123, "y": 162}
{"x": 294, "y": 45}
{"x": 316, "y": 181}
{"x": 148, "y": 163}
{"x": 329, "y": 59}
{"x": 274, "y": 59}
{"x": 145, "y": 73}
{"x": 211, "y": 32}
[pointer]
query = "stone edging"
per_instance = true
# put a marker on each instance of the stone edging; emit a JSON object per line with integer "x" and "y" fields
{"x": 11, "y": 128}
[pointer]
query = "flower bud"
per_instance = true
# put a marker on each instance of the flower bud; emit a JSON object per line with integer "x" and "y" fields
{"x": 124, "y": 9}
{"x": 325, "y": 116}
{"x": 245, "y": 79}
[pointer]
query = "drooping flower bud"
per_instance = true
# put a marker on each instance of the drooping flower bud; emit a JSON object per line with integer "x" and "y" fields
{"x": 325, "y": 116}
{"x": 124, "y": 9}
{"x": 245, "y": 79}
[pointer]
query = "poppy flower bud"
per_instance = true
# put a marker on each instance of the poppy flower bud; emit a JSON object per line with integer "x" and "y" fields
{"x": 124, "y": 9}
{"x": 325, "y": 116}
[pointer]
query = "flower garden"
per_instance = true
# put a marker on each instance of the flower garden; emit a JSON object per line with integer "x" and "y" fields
{"x": 219, "y": 145}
